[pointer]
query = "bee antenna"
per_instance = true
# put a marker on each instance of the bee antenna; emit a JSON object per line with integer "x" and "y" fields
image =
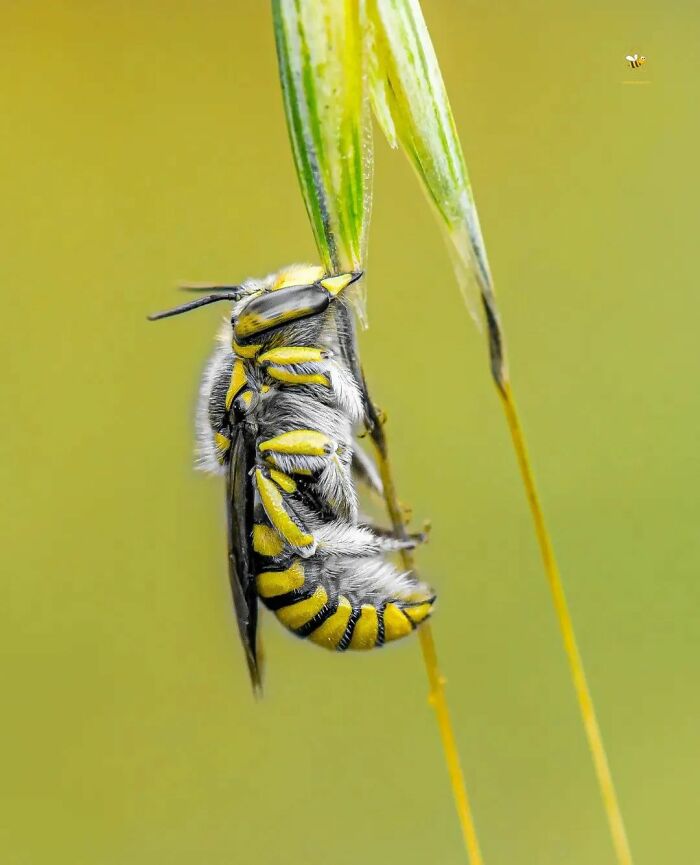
{"x": 195, "y": 304}
{"x": 208, "y": 286}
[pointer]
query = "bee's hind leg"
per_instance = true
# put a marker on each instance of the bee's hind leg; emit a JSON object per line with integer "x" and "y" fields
{"x": 409, "y": 542}
{"x": 338, "y": 538}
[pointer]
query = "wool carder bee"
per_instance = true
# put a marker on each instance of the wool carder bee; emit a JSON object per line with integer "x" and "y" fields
{"x": 280, "y": 405}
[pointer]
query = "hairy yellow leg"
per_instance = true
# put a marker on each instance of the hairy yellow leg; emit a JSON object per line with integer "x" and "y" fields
{"x": 292, "y": 354}
{"x": 286, "y": 376}
{"x": 286, "y": 526}
{"x": 300, "y": 442}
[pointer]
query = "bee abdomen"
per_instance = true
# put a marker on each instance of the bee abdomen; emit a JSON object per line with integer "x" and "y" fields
{"x": 310, "y": 611}
{"x": 372, "y": 626}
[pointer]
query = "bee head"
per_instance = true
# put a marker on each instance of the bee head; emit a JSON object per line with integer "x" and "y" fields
{"x": 297, "y": 292}
{"x": 294, "y": 296}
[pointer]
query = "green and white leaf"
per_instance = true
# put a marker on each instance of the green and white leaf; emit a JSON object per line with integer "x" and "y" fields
{"x": 326, "y": 48}
{"x": 319, "y": 47}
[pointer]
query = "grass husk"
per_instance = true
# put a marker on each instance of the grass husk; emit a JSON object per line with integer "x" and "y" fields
{"x": 327, "y": 109}
{"x": 333, "y": 56}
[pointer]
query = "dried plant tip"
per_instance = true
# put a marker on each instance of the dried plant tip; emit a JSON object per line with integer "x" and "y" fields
{"x": 411, "y": 106}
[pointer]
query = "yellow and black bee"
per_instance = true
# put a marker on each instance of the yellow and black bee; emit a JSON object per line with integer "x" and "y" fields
{"x": 635, "y": 61}
{"x": 280, "y": 404}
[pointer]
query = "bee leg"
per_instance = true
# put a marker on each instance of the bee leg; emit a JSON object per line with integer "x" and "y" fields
{"x": 303, "y": 452}
{"x": 297, "y": 364}
{"x": 365, "y": 470}
{"x": 274, "y": 496}
{"x": 373, "y": 418}
{"x": 295, "y": 464}
{"x": 338, "y": 538}
{"x": 348, "y": 347}
{"x": 410, "y": 542}
{"x": 298, "y": 442}
{"x": 293, "y": 355}
{"x": 390, "y": 543}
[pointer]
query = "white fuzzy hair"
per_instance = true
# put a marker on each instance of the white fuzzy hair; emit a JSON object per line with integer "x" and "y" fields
{"x": 346, "y": 557}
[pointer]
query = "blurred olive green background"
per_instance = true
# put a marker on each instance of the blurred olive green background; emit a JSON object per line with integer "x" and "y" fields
{"x": 143, "y": 144}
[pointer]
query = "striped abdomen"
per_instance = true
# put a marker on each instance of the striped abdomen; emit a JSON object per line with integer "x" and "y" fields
{"x": 333, "y": 621}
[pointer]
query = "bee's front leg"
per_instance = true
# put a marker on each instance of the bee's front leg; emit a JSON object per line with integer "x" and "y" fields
{"x": 374, "y": 418}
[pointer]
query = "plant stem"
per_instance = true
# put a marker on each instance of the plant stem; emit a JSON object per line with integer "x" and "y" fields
{"x": 439, "y": 702}
{"x": 583, "y": 694}
{"x": 436, "y": 695}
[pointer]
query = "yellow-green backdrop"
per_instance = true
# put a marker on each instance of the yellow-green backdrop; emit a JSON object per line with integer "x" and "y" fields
{"x": 143, "y": 144}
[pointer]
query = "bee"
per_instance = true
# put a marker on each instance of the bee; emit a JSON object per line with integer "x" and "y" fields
{"x": 280, "y": 406}
{"x": 635, "y": 61}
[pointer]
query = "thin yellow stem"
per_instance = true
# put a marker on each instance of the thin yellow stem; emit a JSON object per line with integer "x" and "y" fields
{"x": 454, "y": 766}
{"x": 583, "y": 694}
{"x": 437, "y": 696}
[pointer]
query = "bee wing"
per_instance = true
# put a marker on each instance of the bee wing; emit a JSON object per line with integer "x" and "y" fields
{"x": 239, "y": 504}
{"x": 631, "y": 57}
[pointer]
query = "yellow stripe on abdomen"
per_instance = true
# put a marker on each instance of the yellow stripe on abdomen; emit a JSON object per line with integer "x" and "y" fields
{"x": 419, "y": 613}
{"x": 270, "y": 584}
{"x": 396, "y": 625}
{"x": 331, "y": 632}
{"x": 296, "y": 615}
{"x": 366, "y": 629}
